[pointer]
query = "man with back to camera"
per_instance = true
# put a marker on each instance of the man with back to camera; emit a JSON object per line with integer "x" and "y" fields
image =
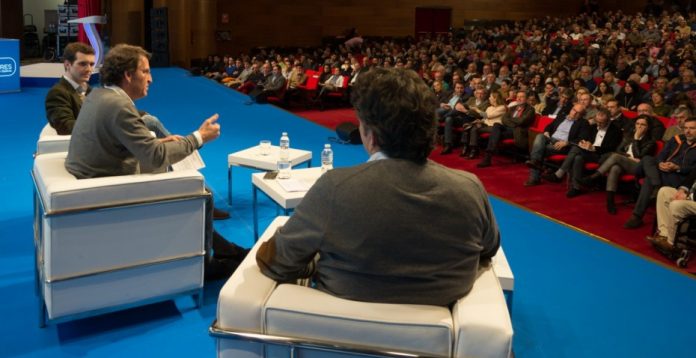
{"x": 398, "y": 227}
{"x": 110, "y": 138}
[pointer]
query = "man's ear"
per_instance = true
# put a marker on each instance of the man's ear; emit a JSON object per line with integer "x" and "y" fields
{"x": 127, "y": 76}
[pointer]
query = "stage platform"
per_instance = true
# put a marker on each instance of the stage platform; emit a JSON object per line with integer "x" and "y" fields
{"x": 45, "y": 74}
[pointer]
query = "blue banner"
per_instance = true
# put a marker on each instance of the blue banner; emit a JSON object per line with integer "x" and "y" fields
{"x": 9, "y": 65}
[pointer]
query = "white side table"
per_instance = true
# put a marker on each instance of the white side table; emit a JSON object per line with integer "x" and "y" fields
{"x": 252, "y": 158}
{"x": 284, "y": 199}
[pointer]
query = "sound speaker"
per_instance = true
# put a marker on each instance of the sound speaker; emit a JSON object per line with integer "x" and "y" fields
{"x": 348, "y": 132}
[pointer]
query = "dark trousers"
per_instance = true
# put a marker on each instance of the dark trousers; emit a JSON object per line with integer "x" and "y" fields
{"x": 498, "y": 133}
{"x": 654, "y": 179}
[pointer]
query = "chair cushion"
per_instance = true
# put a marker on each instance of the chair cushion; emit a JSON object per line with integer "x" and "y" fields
{"x": 307, "y": 313}
{"x": 60, "y": 190}
{"x": 482, "y": 325}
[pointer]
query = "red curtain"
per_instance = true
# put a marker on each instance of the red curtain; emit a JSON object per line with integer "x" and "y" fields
{"x": 87, "y": 8}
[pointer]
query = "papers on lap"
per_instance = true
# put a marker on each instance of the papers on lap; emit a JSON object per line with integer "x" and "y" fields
{"x": 193, "y": 161}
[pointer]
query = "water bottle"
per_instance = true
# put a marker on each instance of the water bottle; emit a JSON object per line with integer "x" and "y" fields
{"x": 284, "y": 166}
{"x": 326, "y": 158}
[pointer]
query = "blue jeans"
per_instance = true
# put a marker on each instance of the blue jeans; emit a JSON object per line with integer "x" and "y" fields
{"x": 153, "y": 123}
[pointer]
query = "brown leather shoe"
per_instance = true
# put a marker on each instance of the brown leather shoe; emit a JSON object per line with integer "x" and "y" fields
{"x": 660, "y": 242}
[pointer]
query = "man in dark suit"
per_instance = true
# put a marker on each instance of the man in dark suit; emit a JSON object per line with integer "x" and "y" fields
{"x": 602, "y": 139}
{"x": 64, "y": 99}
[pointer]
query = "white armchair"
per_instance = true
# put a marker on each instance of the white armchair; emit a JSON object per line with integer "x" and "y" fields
{"x": 51, "y": 142}
{"x": 257, "y": 317}
{"x": 110, "y": 243}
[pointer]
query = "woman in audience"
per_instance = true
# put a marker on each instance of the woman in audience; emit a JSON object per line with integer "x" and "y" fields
{"x": 440, "y": 93}
{"x": 629, "y": 96}
{"x": 634, "y": 146}
{"x": 601, "y": 90}
{"x": 492, "y": 115}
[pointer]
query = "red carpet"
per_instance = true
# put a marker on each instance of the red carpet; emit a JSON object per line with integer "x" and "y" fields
{"x": 504, "y": 179}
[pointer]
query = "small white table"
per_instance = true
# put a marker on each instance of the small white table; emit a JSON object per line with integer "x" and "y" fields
{"x": 284, "y": 199}
{"x": 252, "y": 158}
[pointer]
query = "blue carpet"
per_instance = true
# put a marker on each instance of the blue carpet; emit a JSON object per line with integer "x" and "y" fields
{"x": 575, "y": 296}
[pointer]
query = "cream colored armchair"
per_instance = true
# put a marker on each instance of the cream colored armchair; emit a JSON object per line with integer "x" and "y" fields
{"x": 257, "y": 317}
{"x": 110, "y": 243}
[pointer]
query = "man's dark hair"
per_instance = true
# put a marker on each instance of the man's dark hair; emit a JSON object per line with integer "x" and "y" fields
{"x": 399, "y": 109}
{"x": 121, "y": 58}
{"x": 71, "y": 50}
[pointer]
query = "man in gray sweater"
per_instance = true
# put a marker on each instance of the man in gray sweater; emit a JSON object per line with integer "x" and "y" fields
{"x": 398, "y": 229}
{"x": 110, "y": 138}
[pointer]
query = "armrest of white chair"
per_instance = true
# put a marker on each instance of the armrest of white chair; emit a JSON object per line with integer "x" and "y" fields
{"x": 315, "y": 316}
{"x": 481, "y": 320}
{"x": 51, "y": 142}
{"x": 244, "y": 295}
{"x": 61, "y": 191}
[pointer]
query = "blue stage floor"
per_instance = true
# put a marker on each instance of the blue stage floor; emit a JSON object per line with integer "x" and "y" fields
{"x": 575, "y": 296}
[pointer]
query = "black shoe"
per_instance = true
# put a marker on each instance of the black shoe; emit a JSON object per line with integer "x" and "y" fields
{"x": 219, "y": 214}
{"x": 225, "y": 249}
{"x": 486, "y": 162}
{"x": 465, "y": 151}
{"x": 534, "y": 164}
{"x": 573, "y": 193}
{"x": 633, "y": 222}
{"x": 551, "y": 177}
{"x": 611, "y": 206}
{"x": 473, "y": 154}
{"x": 447, "y": 149}
{"x": 532, "y": 182}
{"x": 220, "y": 268}
{"x": 589, "y": 180}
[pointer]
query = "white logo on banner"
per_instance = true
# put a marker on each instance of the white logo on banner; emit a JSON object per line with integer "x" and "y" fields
{"x": 8, "y": 66}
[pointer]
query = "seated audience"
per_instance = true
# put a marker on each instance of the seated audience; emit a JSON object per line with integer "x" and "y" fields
{"x": 681, "y": 114}
{"x": 463, "y": 112}
{"x": 515, "y": 124}
{"x": 655, "y": 127}
{"x": 630, "y": 96}
{"x": 273, "y": 85}
{"x": 556, "y": 139}
{"x": 671, "y": 166}
{"x": 600, "y": 141}
{"x": 441, "y": 95}
{"x": 636, "y": 145}
{"x": 490, "y": 117}
{"x": 673, "y": 206}
{"x": 387, "y": 223}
